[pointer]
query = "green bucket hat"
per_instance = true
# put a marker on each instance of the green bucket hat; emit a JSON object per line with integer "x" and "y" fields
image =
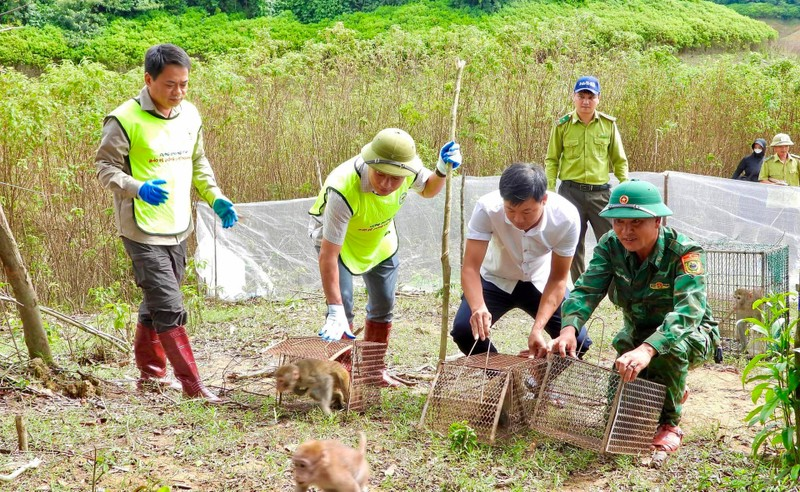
{"x": 392, "y": 152}
{"x": 635, "y": 199}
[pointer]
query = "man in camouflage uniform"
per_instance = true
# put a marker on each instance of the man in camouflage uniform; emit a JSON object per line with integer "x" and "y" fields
{"x": 659, "y": 282}
{"x": 583, "y": 146}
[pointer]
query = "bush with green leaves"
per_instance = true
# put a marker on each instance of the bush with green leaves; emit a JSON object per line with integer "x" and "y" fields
{"x": 776, "y": 376}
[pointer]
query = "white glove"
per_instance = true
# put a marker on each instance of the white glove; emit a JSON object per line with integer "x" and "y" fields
{"x": 336, "y": 324}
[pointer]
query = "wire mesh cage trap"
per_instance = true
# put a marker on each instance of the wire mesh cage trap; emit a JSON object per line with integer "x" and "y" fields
{"x": 486, "y": 390}
{"x": 363, "y": 359}
{"x": 591, "y": 407}
{"x": 740, "y": 269}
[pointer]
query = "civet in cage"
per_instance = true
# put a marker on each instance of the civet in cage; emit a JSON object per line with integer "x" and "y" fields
{"x": 363, "y": 359}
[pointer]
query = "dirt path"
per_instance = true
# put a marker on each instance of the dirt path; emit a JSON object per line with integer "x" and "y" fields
{"x": 717, "y": 398}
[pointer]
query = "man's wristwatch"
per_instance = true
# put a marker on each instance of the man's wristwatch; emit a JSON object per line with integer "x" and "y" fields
{"x": 439, "y": 173}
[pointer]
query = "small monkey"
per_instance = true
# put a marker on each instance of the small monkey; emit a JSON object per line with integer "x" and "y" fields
{"x": 331, "y": 466}
{"x": 324, "y": 381}
{"x": 743, "y": 308}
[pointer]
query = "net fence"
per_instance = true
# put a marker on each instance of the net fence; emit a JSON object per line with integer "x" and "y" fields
{"x": 269, "y": 253}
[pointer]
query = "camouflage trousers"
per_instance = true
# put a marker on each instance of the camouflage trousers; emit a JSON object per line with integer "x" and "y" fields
{"x": 670, "y": 369}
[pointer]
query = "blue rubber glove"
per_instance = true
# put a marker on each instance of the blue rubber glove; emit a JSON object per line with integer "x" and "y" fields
{"x": 151, "y": 192}
{"x": 224, "y": 208}
{"x": 450, "y": 154}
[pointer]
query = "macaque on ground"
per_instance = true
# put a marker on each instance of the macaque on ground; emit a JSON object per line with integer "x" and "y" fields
{"x": 324, "y": 381}
{"x": 743, "y": 308}
{"x": 331, "y": 466}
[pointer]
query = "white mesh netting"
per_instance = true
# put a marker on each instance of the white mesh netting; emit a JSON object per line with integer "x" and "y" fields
{"x": 269, "y": 253}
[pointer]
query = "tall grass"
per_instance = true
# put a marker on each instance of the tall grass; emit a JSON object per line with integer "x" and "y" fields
{"x": 271, "y": 115}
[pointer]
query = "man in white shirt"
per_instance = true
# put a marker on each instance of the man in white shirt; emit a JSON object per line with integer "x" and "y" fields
{"x": 520, "y": 243}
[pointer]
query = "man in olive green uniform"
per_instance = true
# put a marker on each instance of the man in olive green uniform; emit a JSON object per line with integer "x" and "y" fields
{"x": 151, "y": 156}
{"x": 584, "y": 145}
{"x": 781, "y": 168}
{"x": 352, "y": 225}
{"x": 658, "y": 280}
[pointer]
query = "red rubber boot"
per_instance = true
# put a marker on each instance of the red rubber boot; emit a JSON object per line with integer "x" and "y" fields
{"x": 179, "y": 352}
{"x": 151, "y": 360}
{"x": 378, "y": 331}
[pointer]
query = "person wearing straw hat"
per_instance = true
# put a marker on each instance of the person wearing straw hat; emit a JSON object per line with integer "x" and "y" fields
{"x": 352, "y": 226}
{"x": 659, "y": 282}
{"x": 584, "y": 145}
{"x": 520, "y": 242}
{"x": 781, "y": 168}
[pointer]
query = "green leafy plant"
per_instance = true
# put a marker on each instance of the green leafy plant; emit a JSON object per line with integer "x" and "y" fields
{"x": 463, "y": 439}
{"x": 776, "y": 374}
{"x": 113, "y": 308}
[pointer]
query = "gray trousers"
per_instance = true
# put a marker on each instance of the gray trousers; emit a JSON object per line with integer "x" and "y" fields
{"x": 159, "y": 271}
{"x": 589, "y": 205}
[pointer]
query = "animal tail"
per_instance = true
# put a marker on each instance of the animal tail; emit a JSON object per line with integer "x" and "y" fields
{"x": 344, "y": 382}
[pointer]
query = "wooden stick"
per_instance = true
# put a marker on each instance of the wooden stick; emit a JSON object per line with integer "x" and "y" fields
{"x": 22, "y": 433}
{"x": 446, "y": 226}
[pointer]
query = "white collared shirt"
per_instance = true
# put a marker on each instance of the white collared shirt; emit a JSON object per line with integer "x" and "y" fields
{"x": 515, "y": 255}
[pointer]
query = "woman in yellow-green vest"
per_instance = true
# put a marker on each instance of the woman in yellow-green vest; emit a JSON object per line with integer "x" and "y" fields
{"x": 151, "y": 156}
{"x": 353, "y": 228}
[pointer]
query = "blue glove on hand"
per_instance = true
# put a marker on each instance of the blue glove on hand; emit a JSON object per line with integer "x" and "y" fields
{"x": 450, "y": 154}
{"x": 336, "y": 324}
{"x": 151, "y": 192}
{"x": 224, "y": 208}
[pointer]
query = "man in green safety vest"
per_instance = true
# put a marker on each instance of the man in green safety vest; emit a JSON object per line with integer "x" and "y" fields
{"x": 353, "y": 228}
{"x": 151, "y": 156}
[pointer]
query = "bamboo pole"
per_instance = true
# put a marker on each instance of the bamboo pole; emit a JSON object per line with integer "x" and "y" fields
{"x": 446, "y": 226}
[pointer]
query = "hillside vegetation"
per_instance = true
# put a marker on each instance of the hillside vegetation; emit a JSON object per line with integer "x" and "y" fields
{"x": 280, "y": 101}
{"x": 630, "y": 24}
{"x": 762, "y": 9}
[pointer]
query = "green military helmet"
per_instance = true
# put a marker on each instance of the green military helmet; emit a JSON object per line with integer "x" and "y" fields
{"x": 635, "y": 199}
{"x": 392, "y": 152}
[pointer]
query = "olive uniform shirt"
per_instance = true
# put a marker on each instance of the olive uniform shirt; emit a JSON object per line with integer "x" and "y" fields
{"x": 663, "y": 298}
{"x": 788, "y": 171}
{"x": 585, "y": 153}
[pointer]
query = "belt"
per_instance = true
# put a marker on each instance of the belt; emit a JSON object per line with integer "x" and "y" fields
{"x": 586, "y": 187}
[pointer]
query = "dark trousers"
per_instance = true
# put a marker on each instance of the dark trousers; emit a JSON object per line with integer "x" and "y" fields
{"x": 159, "y": 271}
{"x": 525, "y": 296}
{"x": 589, "y": 205}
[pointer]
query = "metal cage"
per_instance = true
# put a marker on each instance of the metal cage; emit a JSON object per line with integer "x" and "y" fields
{"x": 589, "y": 406}
{"x": 758, "y": 268}
{"x": 486, "y": 390}
{"x": 584, "y": 404}
{"x": 364, "y": 360}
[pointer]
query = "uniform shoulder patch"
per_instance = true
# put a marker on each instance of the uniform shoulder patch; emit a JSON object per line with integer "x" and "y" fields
{"x": 607, "y": 116}
{"x": 692, "y": 264}
{"x": 564, "y": 119}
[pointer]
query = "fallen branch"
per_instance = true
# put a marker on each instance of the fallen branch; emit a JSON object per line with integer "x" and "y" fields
{"x": 265, "y": 372}
{"x": 117, "y": 342}
{"x": 32, "y": 464}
